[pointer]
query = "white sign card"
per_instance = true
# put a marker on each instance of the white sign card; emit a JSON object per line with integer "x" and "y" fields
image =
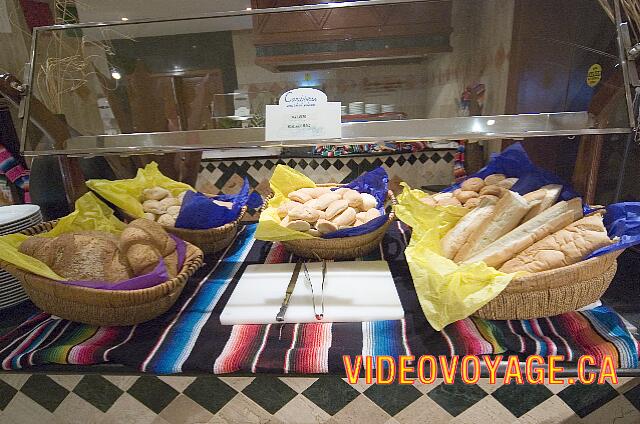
{"x": 303, "y": 114}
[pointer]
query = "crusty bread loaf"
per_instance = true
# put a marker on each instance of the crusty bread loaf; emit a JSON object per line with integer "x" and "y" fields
{"x": 565, "y": 247}
{"x": 83, "y": 255}
{"x": 101, "y": 256}
{"x": 553, "y": 219}
{"x": 508, "y": 213}
{"x": 143, "y": 243}
{"x": 455, "y": 237}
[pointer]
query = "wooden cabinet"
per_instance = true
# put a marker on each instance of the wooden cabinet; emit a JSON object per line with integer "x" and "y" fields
{"x": 337, "y": 37}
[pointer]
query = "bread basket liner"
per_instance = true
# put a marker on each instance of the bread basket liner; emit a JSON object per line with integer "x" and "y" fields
{"x": 307, "y": 246}
{"x": 103, "y": 307}
{"x": 123, "y": 194}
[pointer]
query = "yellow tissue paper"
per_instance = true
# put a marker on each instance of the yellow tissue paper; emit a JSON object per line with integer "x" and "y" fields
{"x": 127, "y": 194}
{"x": 283, "y": 181}
{"x": 447, "y": 291}
{"x": 90, "y": 214}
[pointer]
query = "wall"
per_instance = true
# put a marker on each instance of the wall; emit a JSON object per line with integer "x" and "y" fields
{"x": 389, "y": 84}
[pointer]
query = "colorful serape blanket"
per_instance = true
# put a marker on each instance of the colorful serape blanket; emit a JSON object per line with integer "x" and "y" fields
{"x": 190, "y": 338}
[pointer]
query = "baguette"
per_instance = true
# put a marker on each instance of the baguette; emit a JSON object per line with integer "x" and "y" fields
{"x": 548, "y": 222}
{"x": 455, "y": 237}
{"x": 565, "y": 247}
{"x": 550, "y": 195}
{"x": 508, "y": 213}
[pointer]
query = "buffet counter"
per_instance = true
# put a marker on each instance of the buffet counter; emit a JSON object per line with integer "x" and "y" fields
{"x": 112, "y": 371}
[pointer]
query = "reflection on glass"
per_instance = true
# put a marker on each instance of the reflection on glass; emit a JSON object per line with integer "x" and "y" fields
{"x": 430, "y": 59}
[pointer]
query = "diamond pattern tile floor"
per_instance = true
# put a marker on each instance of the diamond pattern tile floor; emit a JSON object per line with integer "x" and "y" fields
{"x": 98, "y": 391}
{"x": 331, "y": 394}
{"x": 46, "y": 392}
{"x": 392, "y": 398}
{"x": 520, "y": 399}
{"x": 147, "y": 399}
{"x": 457, "y": 397}
{"x": 632, "y": 396}
{"x": 7, "y": 393}
{"x": 152, "y": 392}
{"x": 270, "y": 393}
{"x": 584, "y": 399}
{"x": 210, "y": 392}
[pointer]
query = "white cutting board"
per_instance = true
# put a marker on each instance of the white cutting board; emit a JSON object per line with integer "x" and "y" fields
{"x": 353, "y": 291}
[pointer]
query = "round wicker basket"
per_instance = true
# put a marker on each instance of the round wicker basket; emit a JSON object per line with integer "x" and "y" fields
{"x": 103, "y": 307}
{"x": 211, "y": 240}
{"x": 344, "y": 247}
{"x": 553, "y": 292}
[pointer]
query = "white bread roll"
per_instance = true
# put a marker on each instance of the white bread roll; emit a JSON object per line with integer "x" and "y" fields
{"x": 509, "y": 211}
{"x": 548, "y": 195}
{"x": 455, "y": 237}
{"x": 565, "y": 247}
{"x": 548, "y": 222}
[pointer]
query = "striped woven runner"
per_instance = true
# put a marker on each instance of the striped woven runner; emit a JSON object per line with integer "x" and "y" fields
{"x": 190, "y": 338}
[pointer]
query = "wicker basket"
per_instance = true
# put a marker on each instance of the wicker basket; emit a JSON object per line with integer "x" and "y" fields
{"x": 553, "y": 292}
{"x": 103, "y": 307}
{"x": 344, "y": 247}
{"x": 211, "y": 240}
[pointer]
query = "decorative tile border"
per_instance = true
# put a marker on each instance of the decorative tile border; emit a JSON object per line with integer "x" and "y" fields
{"x": 416, "y": 169}
{"x": 39, "y": 398}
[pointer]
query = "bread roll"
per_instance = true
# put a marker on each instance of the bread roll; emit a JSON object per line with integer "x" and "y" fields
{"x": 368, "y": 202}
{"x": 509, "y": 211}
{"x": 325, "y": 226}
{"x": 507, "y": 183}
{"x": 347, "y": 217}
{"x": 304, "y": 213}
{"x": 298, "y": 225}
{"x": 547, "y": 195}
{"x": 149, "y": 216}
{"x": 565, "y": 247}
{"x": 169, "y": 201}
{"x": 354, "y": 198}
{"x": 493, "y": 190}
{"x": 167, "y": 220}
{"x": 494, "y": 178}
{"x": 284, "y": 208}
{"x": 154, "y": 206}
{"x": 455, "y": 237}
{"x": 314, "y": 232}
{"x": 464, "y": 195}
{"x": 323, "y": 201}
{"x": 452, "y": 201}
{"x": 335, "y": 208}
{"x": 473, "y": 203}
{"x": 373, "y": 214}
{"x": 441, "y": 196}
{"x": 173, "y": 210}
{"x": 472, "y": 184}
{"x": 155, "y": 193}
{"x": 553, "y": 219}
{"x": 300, "y": 196}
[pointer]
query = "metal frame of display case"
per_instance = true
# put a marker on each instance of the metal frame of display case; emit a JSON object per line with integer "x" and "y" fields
{"x": 472, "y": 128}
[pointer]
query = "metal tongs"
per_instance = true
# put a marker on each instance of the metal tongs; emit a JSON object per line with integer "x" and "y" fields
{"x": 319, "y": 316}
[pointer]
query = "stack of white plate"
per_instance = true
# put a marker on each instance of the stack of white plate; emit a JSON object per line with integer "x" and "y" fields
{"x": 356, "y": 108}
{"x": 14, "y": 219}
{"x": 371, "y": 108}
